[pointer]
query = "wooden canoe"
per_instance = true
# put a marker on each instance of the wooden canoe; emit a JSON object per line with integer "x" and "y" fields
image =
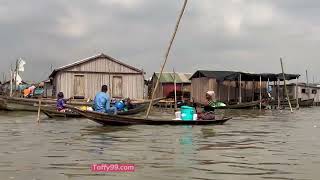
{"x": 302, "y": 103}
{"x": 26, "y": 104}
{"x": 52, "y": 113}
{"x": 244, "y": 105}
{"x": 116, "y": 120}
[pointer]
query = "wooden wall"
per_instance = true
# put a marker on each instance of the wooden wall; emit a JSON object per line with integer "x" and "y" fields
{"x": 95, "y": 74}
{"x": 200, "y": 86}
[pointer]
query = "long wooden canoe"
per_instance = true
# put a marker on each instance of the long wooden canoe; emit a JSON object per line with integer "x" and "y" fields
{"x": 26, "y": 104}
{"x": 302, "y": 103}
{"x": 52, "y": 113}
{"x": 116, "y": 120}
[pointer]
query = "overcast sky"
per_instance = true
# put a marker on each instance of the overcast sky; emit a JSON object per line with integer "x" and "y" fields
{"x": 246, "y": 35}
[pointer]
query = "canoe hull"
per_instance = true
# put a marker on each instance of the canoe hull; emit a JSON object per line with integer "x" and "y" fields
{"x": 115, "y": 120}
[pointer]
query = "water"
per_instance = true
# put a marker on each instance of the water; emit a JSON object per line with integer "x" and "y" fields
{"x": 254, "y": 145}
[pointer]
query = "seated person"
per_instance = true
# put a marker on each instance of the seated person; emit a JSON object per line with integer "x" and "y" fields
{"x": 128, "y": 104}
{"x": 210, "y": 106}
{"x": 61, "y": 103}
{"x": 102, "y": 102}
{"x": 208, "y": 111}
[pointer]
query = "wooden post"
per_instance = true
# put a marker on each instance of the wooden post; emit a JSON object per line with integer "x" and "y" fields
{"x": 285, "y": 85}
{"x": 39, "y": 110}
{"x": 240, "y": 98}
{"x": 297, "y": 95}
{"x": 278, "y": 92}
{"x": 229, "y": 84}
{"x": 260, "y": 94}
{"x": 175, "y": 90}
{"x": 307, "y": 77}
{"x": 253, "y": 89}
{"x": 167, "y": 55}
{"x": 11, "y": 82}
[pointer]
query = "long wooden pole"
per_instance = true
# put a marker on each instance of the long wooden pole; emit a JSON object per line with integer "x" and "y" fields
{"x": 278, "y": 92}
{"x": 240, "y": 98}
{"x": 285, "y": 85}
{"x": 175, "y": 90}
{"x": 260, "y": 94}
{"x": 39, "y": 110}
{"x": 167, "y": 55}
{"x": 11, "y": 82}
{"x": 297, "y": 95}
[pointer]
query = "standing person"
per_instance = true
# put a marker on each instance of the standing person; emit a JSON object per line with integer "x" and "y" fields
{"x": 102, "y": 102}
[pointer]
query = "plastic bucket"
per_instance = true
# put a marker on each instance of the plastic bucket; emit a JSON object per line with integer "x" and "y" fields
{"x": 187, "y": 113}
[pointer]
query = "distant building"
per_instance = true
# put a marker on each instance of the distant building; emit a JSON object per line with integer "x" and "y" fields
{"x": 302, "y": 91}
{"x": 227, "y": 86}
{"x": 84, "y": 78}
{"x": 166, "y": 84}
{"x": 6, "y": 86}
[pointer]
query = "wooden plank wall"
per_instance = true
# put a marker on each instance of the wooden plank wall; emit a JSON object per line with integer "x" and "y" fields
{"x": 200, "y": 86}
{"x": 96, "y": 74}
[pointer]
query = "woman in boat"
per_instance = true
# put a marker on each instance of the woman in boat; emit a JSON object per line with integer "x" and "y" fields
{"x": 61, "y": 103}
{"x": 208, "y": 110}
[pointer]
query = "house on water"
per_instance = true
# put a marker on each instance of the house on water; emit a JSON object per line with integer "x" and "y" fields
{"x": 303, "y": 91}
{"x": 232, "y": 86}
{"x": 166, "y": 85}
{"x": 84, "y": 78}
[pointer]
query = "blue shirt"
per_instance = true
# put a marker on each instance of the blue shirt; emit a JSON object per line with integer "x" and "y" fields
{"x": 102, "y": 102}
{"x": 60, "y": 104}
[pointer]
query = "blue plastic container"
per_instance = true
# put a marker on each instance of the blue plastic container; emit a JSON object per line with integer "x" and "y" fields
{"x": 187, "y": 113}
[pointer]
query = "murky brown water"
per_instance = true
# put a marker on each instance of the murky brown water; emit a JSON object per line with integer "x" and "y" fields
{"x": 254, "y": 145}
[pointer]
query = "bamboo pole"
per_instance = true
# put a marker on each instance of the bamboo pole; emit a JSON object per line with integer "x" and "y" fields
{"x": 285, "y": 85}
{"x": 240, "y": 98}
{"x": 253, "y": 89}
{"x": 167, "y": 55}
{"x": 11, "y": 82}
{"x": 229, "y": 84}
{"x": 175, "y": 90}
{"x": 260, "y": 106}
{"x": 278, "y": 92}
{"x": 297, "y": 89}
{"x": 39, "y": 110}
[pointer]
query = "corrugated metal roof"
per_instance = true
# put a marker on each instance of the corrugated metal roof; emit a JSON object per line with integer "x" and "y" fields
{"x": 168, "y": 77}
{"x": 101, "y": 55}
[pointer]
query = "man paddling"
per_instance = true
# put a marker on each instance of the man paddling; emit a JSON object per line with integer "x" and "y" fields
{"x": 102, "y": 102}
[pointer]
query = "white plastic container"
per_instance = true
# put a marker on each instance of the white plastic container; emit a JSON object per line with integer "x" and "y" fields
{"x": 178, "y": 115}
{"x": 195, "y": 117}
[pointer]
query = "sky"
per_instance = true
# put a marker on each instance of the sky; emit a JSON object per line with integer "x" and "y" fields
{"x": 240, "y": 35}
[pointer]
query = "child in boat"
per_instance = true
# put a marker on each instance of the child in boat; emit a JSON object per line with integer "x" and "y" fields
{"x": 129, "y": 104}
{"x": 61, "y": 103}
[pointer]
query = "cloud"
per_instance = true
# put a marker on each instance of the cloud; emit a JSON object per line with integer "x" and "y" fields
{"x": 214, "y": 34}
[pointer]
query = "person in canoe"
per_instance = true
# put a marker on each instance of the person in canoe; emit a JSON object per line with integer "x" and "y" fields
{"x": 102, "y": 102}
{"x": 128, "y": 104}
{"x": 210, "y": 106}
{"x": 61, "y": 102}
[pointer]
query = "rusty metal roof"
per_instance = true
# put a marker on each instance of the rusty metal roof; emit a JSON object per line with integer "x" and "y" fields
{"x": 168, "y": 77}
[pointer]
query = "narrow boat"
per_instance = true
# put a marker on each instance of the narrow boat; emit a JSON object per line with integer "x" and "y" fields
{"x": 302, "y": 103}
{"x": 51, "y": 112}
{"x": 26, "y": 104}
{"x": 306, "y": 103}
{"x": 245, "y": 105}
{"x": 116, "y": 120}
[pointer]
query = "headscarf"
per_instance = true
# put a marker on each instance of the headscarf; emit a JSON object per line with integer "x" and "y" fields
{"x": 212, "y": 94}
